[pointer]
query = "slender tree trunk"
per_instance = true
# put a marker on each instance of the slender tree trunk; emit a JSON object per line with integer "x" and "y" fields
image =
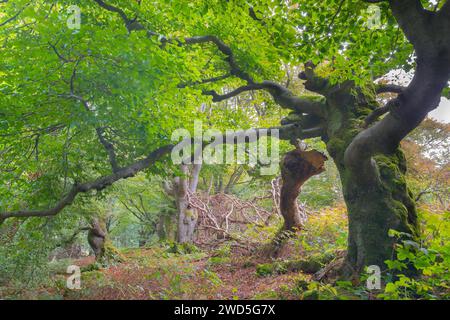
{"x": 160, "y": 228}
{"x": 195, "y": 174}
{"x": 184, "y": 223}
{"x": 219, "y": 185}
{"x": 143, "y": 237}
{"x": 234, "y": 178}
{"x": 187, "y": 217}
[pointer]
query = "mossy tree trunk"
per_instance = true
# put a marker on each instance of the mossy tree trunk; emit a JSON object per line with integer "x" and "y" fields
{"x": 366, "y": 148}
{"x": 376, "y": 202}
{"x": 374, "y": 207}
{"x": 97, "y": 238}
{"x": 105, "y": 252}
{"x": 374, "y": 185}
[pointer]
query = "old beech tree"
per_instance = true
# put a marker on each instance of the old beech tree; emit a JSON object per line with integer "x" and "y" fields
{"x": 230, "y": 48}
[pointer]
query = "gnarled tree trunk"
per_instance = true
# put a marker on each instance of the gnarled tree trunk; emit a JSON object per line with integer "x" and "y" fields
{"x": 104, "y": 250}
{"x": 372, "y": 166}
{"x": 377, "y": 199}
{"x": 96, "y": 239}
{"x": 296, "y": 168}
{"x": 374, "y": 207}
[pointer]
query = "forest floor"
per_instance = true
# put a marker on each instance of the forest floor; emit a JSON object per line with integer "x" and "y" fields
{"x": 155, "y": 274}
{"x": 228, "y": 271}
{"x": 233, "y": 270}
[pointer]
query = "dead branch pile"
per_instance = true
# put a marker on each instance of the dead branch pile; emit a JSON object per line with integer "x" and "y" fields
{"x": 223, "y": 217}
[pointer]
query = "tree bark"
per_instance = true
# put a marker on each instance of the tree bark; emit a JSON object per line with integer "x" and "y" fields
{"x": 373, "y": 170}
{"x": 376, "y": 194}
{"x": 96, "y": 239}
{"x": 374, "y": 207}
{"x": 187, "y": 217}
{"x": 143, "y": 237}
{"x": 296, "y": 168}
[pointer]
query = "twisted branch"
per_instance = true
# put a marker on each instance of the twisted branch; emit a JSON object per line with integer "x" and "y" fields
{"x": 281, "y": 95}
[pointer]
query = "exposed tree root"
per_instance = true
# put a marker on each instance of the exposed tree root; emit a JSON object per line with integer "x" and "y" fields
{"x": 336, "y": 269}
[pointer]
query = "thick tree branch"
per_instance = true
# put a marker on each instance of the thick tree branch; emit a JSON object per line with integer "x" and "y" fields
{"x": 280, "y": 94}
{"x": 98, "y": 184}
{"x": 286, "y": 99}
{"x": 371, "y": 118}
{"x": 393, "y": 88}
{"x": 221, "y": 97}
{"x": 288, "y": 132}
{"x": 414, "y": 20}
{"x": 117, "y": 10}
{"x": 422, "y": 95}
{"x": 411, "y": 107}
{"x": 209, "y": 80}
{"x": 313, "y": 82}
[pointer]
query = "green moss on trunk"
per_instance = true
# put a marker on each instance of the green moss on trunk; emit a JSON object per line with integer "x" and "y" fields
{"x": 373, "y": 208}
